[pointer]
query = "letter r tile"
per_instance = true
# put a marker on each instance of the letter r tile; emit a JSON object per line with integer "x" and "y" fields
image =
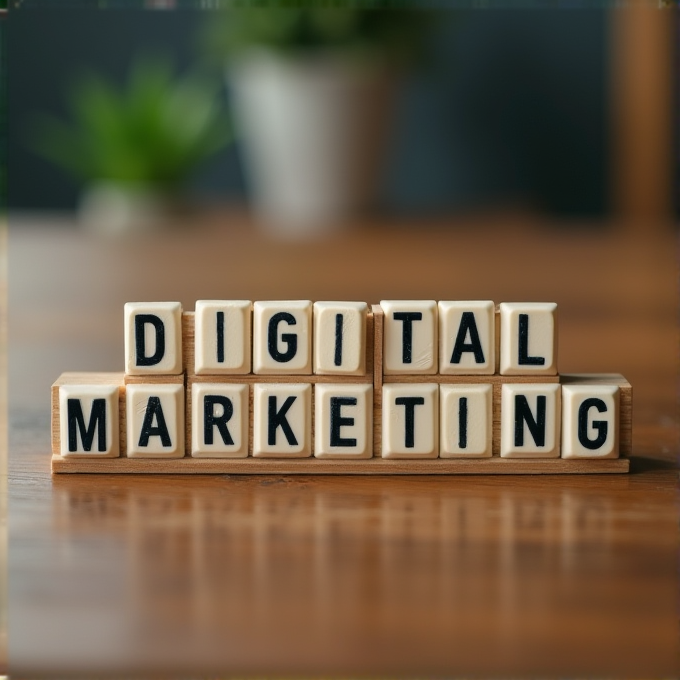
{"x": 219, "y": 420}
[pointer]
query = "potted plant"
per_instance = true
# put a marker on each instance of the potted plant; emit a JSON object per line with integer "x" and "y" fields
{"x": 311, "y": 91}
{"x": 135, "y": 147}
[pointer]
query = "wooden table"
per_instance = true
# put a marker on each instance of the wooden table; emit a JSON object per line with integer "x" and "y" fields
{"x": 541, "y": 576}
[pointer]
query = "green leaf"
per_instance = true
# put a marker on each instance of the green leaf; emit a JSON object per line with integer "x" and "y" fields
{"x": 155, "y": 130}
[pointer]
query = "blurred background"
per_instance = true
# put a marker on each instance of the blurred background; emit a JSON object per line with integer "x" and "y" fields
{"x": 330, "y": 113}
{"x": 159, "y": 152}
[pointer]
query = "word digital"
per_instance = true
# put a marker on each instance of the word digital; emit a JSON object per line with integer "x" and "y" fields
{"x": 403, "y": 387}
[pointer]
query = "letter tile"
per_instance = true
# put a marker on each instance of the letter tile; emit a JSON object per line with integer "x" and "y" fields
{"x": 343, "y": 421}
{"x": 590, "y": 421}
{"x": 153, "y": 338}
{"x": 465, "y": 421}
{"x": 530, "y": 421}
{"x": 155, "y": 421}
{"x": 410, "y": 415}
{"x": 222, "y": 337}
{"x": 282, "y": 420}
{"x": 219, "y": 420}
{"x": 410, "y": 337}
{"x": 340, "y": 338}
{"x": 89, "y": 421}
{"x": 466, "y": 338}
{"x": 282, "y": 337}
{"x": 528, "y": 338}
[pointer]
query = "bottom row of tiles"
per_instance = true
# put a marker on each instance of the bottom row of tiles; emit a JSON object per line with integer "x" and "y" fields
{"x": 418, "y": 421}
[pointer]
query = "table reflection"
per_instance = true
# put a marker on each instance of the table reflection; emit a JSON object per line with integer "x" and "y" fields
{"x": 372, "y": 572}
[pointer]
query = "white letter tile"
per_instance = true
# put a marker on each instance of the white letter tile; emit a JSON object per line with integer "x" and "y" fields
{"x": 410, "y": 337}
{"x": 466, "y": 421}
{"x": 155, "y": 421}
{"x": 528, "y": 338}
{"x": 282, "y": 420}
{"x": 153, "y": 338}
{"x": 343, "y": 421}
{"x": 222, "y": 337}
{"x": 530, "y": 421}
{"x": 466, "y": 338}
{"x": 282, "y": 337}
{"x": 340, "y": 338}
{"x": 590, "y": 421}
{"x": 219, "y": 420}
{"x": 89, "y": 421}
{"x": 410, "y": 415}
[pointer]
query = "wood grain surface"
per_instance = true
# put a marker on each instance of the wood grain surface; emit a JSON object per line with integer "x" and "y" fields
{"x": 140, "y": 576}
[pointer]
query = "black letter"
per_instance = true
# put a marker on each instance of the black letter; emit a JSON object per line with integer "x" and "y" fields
{"x": 97, "y": 419}
{"x": 467, "y": 323}
{"x": 600, "y": 425}
{"x": 140, "y": 341}
{"x": 289, "y": 338}
{"x": 210, "y": 420}
{"x": 407, "y": 332}
{"x": 220, "y": 337}
{"x": 337, "y": 421}
{"x": 523, "y": 413}
{"x": 279, "y": 419}
{"x": 462, "y": 423}
{"x": 154, "y": 408}
{"x": 409, "y": 404}
{"x": 524, "y": 358}
{"x": 338, "y": 340}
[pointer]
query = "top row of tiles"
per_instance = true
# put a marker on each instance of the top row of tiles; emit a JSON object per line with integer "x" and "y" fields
{"x": 298, "y": 337}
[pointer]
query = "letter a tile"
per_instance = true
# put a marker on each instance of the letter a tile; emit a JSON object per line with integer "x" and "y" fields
{"x": 155, "y": 421}
{"x": 466, "y": 338}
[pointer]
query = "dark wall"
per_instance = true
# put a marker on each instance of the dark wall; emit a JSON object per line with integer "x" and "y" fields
{"x": 508, "y": 106}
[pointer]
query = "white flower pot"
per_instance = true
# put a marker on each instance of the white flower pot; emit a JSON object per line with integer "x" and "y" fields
{"x": 113, "y": 209}
{"x": 313, "y": 132}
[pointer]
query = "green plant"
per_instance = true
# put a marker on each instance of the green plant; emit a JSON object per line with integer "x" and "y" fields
{"x": 294, "y": 27}
{"x": 152, "y": 132}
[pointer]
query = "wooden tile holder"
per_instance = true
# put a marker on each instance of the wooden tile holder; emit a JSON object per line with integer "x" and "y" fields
{"x": 376, "y": 465}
